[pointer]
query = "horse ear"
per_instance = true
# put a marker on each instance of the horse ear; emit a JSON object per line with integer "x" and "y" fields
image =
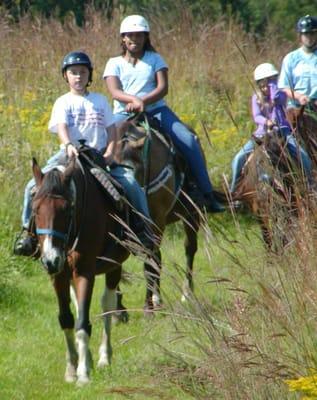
{"x": 69, "y": 170}
{"x": 37, "y": 172}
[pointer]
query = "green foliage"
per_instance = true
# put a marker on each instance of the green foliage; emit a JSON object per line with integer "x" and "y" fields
{"x": 254, "y": 16}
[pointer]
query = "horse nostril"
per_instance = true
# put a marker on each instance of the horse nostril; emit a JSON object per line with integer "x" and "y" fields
{"x": 51, "y": 266}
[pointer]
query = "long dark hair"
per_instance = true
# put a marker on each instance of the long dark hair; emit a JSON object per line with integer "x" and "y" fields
{"x": 147, "y": 44}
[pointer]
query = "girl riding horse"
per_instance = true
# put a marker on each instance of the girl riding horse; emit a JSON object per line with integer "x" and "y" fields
{"x": 138, "y": 81}
{"x": 268, "y": 103}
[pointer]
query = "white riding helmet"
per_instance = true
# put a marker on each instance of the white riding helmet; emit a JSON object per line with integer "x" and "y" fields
{"x": 265, "y": 70}
{"x": 134, "y": 23}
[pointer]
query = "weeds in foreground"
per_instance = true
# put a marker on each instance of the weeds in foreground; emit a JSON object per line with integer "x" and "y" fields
{"x": 249, "y": 330}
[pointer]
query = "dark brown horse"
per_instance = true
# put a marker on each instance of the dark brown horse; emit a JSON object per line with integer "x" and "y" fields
{"x": 74, "y": 223}
{"x": 152, "y": 157}
{"x": 268, "y": 189}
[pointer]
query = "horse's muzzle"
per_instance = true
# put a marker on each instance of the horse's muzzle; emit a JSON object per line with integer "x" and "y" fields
{"x": 53, "y": 265}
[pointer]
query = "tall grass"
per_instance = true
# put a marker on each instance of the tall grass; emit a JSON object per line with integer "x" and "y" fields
{"x": 251, "y": 323}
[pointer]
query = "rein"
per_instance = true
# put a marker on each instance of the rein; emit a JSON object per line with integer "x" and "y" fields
{"x": 165, "y": 173}
{"x": 145, "y": 154}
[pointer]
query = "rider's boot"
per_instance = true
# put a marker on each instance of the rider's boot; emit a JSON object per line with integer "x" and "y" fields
{"x": 26, "y": 243}
{"x": 211, "y": 204}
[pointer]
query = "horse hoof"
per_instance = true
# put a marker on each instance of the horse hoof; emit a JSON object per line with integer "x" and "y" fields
{"x": 82, "y": 381}
{"x": 70, "y": 378}
{"x": 70, "y": 374}
{"x": 103, "y": 363}
{"x": 186, "y": 297}
{"x": 120, "y": 317}
{"x": 157, "y": 302}
{"x": 148, "y": 312}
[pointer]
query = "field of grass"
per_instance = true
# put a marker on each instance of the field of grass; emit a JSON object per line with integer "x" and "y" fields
{"x": 251, "y": 324}
{"x": 153, "y": 358}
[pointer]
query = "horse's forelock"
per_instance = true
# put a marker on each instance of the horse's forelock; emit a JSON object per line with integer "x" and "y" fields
{"x": 52, "y": 184}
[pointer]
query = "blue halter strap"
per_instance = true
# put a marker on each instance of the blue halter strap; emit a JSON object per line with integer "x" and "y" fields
{"x": 52, "y": 232}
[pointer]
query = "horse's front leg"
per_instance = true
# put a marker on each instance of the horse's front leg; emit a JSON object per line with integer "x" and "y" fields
{"x": 122, "y": 314}
{"x": 152, "y": 273}
{"x": 108, "y": 304}
{"x": 66, "y": 319}
{"x": 84, "y": 287}
{"x": 71, "y": 356}
{"x": 191, "y": 247}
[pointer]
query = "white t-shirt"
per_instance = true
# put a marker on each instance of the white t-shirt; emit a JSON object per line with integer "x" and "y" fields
{"x": 86, "y": 117}
{"x": 137, "y": 80}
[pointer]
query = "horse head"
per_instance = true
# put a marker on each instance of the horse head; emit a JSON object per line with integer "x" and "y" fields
{"x": 133, "y": 139}
{"x": 52, "y": 208}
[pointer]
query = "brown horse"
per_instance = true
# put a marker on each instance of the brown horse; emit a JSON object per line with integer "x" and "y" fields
{"x": 267, "y": 187}
{"x": 153, "y": 159}
{"x": 74, "y": 223}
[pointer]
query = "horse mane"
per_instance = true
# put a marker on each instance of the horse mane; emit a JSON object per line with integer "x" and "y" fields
{"x": 132, "y": 140}
{"x": 52, "y": 184}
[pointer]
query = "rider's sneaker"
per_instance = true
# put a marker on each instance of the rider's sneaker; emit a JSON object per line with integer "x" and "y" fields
{"x": 26, "y": 244}
{"x": 212, "y": 205}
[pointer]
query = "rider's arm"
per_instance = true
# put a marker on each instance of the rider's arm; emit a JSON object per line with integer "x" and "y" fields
{"x": 133, "y": 103}
{"x": 63, "y": 134}
{"x": 115, "y": 89}
{"x": 113, "y": 148}
{"x": 161, "y": 89}
{"x": 302, "y": 98}
{"x": 258, "y": 117}
{"x": 277, "y": 96}
{"x": 262, "y": 122}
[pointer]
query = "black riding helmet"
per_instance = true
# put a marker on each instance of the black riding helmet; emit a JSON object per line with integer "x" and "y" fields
{"x": 306, "y": 24}
{"x": 77, "y": 58}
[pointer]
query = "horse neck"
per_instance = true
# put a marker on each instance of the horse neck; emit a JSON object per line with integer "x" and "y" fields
{"x": 257, "y": 164}
{"x": 94, "y": 213}
{"x": 159, "y": 156}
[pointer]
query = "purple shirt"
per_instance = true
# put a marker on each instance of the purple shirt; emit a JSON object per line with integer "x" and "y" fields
{"x": 273, "y": 109}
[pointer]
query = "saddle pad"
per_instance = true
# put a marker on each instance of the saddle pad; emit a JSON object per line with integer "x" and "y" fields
{"x": 104, "y": 180}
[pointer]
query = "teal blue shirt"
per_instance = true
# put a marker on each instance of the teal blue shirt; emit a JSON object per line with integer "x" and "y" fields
{"x": 299, "y": 73}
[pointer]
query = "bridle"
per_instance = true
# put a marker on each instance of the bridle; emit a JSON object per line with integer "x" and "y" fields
{"x": 63, "y": 236}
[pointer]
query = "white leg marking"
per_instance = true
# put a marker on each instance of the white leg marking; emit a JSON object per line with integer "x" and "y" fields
{"x": 108, "y": 303}
{"x": 83, "y": 369}
{"x": 71, "y": 356}
{"x": 74, "y": 298}
{"x": 156, "y": 299}
{"x": 187, "y": 292}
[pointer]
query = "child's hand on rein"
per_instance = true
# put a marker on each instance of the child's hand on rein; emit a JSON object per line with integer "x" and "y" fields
{"x": 71, "y": 150}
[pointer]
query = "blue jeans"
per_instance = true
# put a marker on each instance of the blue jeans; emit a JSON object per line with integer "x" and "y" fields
{"x": 295, "y": 150}
{"x": 238, "y": 162}
{"x": 300, "y": 156}
{"x": 135, "y": 194}
{"x": 124, "y": 176}
{"x": 186, "y": 142}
